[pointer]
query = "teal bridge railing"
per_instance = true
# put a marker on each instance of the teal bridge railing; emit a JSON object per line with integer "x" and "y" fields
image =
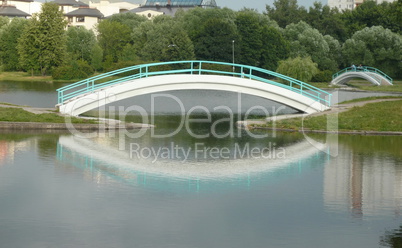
{"x": 362, "y": 69}
{"x": 98, "y": 82}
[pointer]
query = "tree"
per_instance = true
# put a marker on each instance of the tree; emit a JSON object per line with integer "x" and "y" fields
{"x": 43, "y": 43}
{"x": 129, "y": 19}
{"x": 286, "y": 12}
{"x": 193, "y": 20}
{"x": 249, "y": 27}
{"x": 80, "y": 42}
{"x": 377, "y": 47}
{"x": 3, "y": 21}
{"x": 96, "y": 57}
{"x": 113, "y": 36}
{"x": 215, "y": 41}
{"x": 9, "y": 35}
{"x": 162, "y": 40}
{"x": 275, "y": 48}
{"x": 370, "y": 14}
{"x": 327, "y": 21}
{"x": 30, "y": 39}
{"x": 306, "y": 41}
{"x": 299, "y": 68}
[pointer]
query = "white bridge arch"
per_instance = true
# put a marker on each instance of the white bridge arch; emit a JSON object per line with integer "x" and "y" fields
{"x": 87, "y": 95}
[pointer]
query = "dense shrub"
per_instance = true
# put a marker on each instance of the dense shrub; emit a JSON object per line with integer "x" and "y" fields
{"x": 322, "y": 76}
{"x": 76, "y": 70}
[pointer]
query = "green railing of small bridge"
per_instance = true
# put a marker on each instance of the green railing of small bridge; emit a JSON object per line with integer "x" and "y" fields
{"x": 98, "y": 82}
{"x": 362, "y": 69}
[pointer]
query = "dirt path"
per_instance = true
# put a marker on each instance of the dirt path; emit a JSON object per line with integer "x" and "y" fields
{"x": 31, "y": 109}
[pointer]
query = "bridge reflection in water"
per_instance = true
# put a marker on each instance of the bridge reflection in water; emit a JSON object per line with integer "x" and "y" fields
{"x": 192, "y": 176}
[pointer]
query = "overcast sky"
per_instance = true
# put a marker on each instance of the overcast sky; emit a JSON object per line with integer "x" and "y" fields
{"x": 259, "y": 4}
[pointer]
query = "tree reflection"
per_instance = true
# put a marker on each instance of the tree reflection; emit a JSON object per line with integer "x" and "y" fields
{"x": 392, "y": 238}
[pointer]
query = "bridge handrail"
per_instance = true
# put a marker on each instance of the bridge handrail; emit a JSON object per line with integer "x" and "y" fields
{"x": 89, "y": 85}
{"x": 363, "y": 69}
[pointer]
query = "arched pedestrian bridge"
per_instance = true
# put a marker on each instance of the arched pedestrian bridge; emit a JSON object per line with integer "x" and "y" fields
{"x": 106, "y": 88}
{"x": 370, "y": 74}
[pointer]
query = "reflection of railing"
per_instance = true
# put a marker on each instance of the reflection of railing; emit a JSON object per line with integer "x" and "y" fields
{"x": 71, "y": 152}
{"x": 363, "y": 69}
{"x": 190, "y": 67}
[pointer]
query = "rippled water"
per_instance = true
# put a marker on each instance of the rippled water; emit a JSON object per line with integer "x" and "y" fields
{"x": 58, "y": 190}
{"x": 282, "y": 190}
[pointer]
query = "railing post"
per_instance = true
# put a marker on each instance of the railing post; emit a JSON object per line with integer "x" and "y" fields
{"x": 192, "y": 67}
{"x": 199, "y": 68}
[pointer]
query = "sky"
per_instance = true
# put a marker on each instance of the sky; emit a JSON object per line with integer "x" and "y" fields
{"x": 260, "y": 4}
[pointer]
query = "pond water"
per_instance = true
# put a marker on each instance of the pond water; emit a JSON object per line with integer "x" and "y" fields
{"x": 197, "y": 181}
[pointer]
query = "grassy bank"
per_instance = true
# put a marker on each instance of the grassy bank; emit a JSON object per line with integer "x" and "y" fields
{"x": 20, "y": 115}
{"x": 380, "y": 116}
{"x": 23, "y": 76}
{"x": 364, "y": 85}
{"x": 370, "y": 98}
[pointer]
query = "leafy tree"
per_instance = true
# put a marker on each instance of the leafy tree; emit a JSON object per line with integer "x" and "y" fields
{"x": 306, "y": 41}
{"x": 80, "y": 42}
{"x": 162, "y": 40}
{"x": 275, "y": 48}
{"x": 327, "y": 21}
{"x": 377, "y": 47}
{"x": 43, "y": 44}
{"x": 9, "y": 35}
{"x": 249, "y": 28}
{"x": 299, "y": 68}
{"x": 286, "y": 12}
{"x": 371, "y": 14}
{"x": 193, "y": 20}
{"x": 113, "y": 36}
{"x": 96, "y": 57}
{"x": 128, "y": 19}
{"x": 30, "y": 39}
{"x": 3, "y": 21}
{"x": 215, "y": 41}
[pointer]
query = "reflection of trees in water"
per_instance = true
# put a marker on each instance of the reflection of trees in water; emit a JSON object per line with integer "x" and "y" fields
{"x": 392, "y": 239}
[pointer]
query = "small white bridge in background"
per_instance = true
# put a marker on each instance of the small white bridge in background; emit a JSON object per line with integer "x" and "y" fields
{"x": 370, "y": 74}
{"x": 89, "y": 94}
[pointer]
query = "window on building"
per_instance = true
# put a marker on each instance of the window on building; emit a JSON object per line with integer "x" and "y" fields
{"x": 70, "y": 20}
{"x": 80, "y": 19}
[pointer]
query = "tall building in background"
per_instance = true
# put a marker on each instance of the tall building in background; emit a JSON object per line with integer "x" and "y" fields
{"x": 350, "y": 4}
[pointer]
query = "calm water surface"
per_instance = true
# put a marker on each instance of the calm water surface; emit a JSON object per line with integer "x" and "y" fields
{"x": 239, "y": 190}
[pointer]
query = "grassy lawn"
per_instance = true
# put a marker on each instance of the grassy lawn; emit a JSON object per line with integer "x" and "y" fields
{"x": 27, "y": 77}
{"x": 20, "y": 115}
{"x": 381, "y": 116}
{"x": 23, "y": 76}
{"x": 370, "y": 98}
{"x": 364, "y": 85}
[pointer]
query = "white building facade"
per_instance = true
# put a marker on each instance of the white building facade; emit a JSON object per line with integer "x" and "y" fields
{"x": 350, "y": 4}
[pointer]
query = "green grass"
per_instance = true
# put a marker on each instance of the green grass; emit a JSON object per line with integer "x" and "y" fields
{"x": 20, "y": 115}
{"x": 381, "y": 116}
{"x": 365, "y": 85}
{"x": 20, "y": 76}
{"x": 370, "y": 98}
